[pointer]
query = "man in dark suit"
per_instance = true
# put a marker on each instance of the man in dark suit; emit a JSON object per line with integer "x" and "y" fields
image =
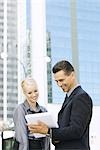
{"x": 75, "y": 115}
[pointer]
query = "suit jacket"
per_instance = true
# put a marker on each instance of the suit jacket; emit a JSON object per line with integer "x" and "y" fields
{"x": 74, "y": 120}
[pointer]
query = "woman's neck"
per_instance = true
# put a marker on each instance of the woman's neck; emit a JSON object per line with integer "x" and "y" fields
{"x": 33, "y": 106}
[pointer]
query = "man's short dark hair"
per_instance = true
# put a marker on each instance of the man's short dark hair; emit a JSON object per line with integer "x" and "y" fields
{"x": 63, "y": 65}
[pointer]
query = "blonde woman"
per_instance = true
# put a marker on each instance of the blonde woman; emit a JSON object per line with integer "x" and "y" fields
{"x": 25, "y": 140}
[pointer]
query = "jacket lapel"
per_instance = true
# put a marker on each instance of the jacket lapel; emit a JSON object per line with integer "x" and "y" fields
{"x": 68, "y": 99}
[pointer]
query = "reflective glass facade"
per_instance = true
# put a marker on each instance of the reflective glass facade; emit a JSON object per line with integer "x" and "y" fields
{"x": 76, "y": 25}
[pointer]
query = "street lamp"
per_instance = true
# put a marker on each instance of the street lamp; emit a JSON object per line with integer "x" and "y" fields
{"x": 47, "y": 59}
{"x": 21, "y": 63}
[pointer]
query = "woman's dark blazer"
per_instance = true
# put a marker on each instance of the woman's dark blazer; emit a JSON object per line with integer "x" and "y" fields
{"x": 73, "y": 120}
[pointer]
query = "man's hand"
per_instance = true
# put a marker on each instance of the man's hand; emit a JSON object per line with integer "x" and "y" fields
{"x": 40, "y": 127}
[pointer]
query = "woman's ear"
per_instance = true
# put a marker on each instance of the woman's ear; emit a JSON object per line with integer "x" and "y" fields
{"x": 24, "y": 92}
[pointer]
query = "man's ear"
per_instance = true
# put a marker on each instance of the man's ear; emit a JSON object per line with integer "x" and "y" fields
{"x": 73, "y": 73}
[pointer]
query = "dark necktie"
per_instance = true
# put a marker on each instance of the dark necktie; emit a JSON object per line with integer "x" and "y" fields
{"x": 66, "y": 98}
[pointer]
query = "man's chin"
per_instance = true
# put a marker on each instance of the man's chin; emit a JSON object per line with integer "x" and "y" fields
{"x": 64, "y": 90}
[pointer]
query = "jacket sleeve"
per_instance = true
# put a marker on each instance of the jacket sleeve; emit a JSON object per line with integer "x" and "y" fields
{"x": 20, "y": 128}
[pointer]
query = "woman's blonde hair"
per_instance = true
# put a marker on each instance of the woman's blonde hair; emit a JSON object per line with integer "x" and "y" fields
{"x": 28, "y": 80}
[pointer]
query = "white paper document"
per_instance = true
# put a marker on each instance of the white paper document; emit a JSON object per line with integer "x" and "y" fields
{"x": 45, "y": 117}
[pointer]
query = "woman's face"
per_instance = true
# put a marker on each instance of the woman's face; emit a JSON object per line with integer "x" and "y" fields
{"x": 31, "y": 92}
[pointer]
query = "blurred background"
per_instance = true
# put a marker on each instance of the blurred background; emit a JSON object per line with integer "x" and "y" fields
{"x": 34, "y": 35}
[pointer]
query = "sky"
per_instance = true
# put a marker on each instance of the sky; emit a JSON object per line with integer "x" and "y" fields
{"x": 28, "y": 14}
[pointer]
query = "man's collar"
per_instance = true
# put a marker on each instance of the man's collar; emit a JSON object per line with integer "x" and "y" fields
{"x": 71, "y": 90}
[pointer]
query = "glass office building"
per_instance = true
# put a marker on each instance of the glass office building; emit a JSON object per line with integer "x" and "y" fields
{"x": 8, "y": 63}
{"x": 12, "y": 67}
{"x": 74, "y": 28}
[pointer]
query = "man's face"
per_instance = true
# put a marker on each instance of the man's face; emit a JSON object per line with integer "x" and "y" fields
{"x": 66, "y": 82}
{"x": 31, "y": 92}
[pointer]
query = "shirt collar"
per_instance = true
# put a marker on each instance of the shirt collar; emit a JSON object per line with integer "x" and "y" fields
{"x": 71, "y": 90}
{"x": 28, "y": 108}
